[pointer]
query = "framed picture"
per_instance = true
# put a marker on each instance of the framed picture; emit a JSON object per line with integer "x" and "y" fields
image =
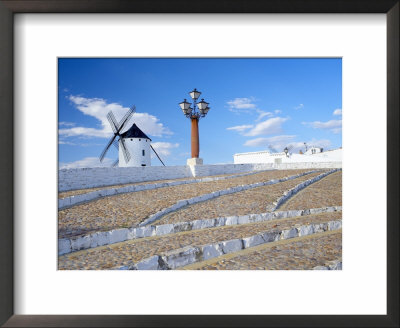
{"x": 39, "y": 288}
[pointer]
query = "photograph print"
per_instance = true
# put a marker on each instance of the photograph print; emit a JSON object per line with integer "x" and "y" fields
{"x": 199, "y": 164}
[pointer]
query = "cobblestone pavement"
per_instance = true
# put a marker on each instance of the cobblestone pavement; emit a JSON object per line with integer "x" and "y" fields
{"x": 252, "y": 201}
{"x": 326, "y": 192}
{"x": 128, "y": 252}
{"x": 127, "y": 210}
{"x": 86, "y": 190}
{"x": 303, "y": 253}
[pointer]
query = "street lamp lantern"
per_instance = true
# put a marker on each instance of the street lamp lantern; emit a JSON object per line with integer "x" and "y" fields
{"x": 204, "y": 111}
{"x": 199, "y": 110}
{"x": 202, "y": 104}
{"x": 185, "y": 106}
{"x": 195, "y": 94}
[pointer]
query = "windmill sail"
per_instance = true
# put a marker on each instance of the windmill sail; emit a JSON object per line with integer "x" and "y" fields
{"x": 116, "y": 128}
{"x": 125, "y": 150}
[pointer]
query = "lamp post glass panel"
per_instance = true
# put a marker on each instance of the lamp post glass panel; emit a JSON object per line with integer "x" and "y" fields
{"x": 199, "y": 110}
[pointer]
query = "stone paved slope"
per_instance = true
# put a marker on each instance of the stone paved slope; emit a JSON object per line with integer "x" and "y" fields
{"x": 302, "y": 253}
{"x": 126, "y": 253}
{"x": 249, "y": 201}
{"x": 326, "y": 192}
{"x": 130, "y": 209}
{"x": 83, "y": 191}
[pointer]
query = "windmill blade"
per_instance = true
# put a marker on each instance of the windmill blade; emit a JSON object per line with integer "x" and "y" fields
{"x": 157, "y": 155}
{"x": 125, "y": 151}
{"x": 290, "y": 147}
{"x": 115, "y": 163}
{"x": 115, "y": 143}
{"x": 126, "y": 118}
{"x": 112, "y": 121}
{"x": 105, "y": 149}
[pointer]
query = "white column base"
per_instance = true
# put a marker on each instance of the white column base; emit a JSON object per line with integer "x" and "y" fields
{"x": 194, "y": 161}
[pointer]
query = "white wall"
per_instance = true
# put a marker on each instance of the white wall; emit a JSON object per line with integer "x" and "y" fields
{"x": 135, "y": 147}
{"x": 333, "y": 155}
{"x": 70, "y": 179}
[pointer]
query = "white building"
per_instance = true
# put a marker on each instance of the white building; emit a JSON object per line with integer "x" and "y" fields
{"x": 313, "y": 154}
{"x": 314, "y": 150}
{"x": 258, "y": 157}
{"x": 138, "y": 145}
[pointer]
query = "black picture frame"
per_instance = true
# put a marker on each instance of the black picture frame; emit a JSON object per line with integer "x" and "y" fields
{"x": 10, "y": 7}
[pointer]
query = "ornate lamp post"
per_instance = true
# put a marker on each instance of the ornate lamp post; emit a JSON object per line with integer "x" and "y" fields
{"x": 286, "y": 150}
{"x": 199, "y": 110}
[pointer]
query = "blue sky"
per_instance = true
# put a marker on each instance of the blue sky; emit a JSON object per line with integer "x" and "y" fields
{"x": 255, "y": 103}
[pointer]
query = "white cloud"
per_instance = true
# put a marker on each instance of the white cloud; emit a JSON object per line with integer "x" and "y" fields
{"x": 87, "y": 162}
{"x": 240, "y": 128}
{"x": 81, "y": 131}
{"x": 247, "y": 105}
{"x": 241, "y": 104}
{"x": 270, "y": 126}
{"x": 66, "y": 123}
{"x": 80, "y": 144}
{"x": 163, "y": 148}
{"x": 277, "y": 111}
{"x": 334, "y": 126}
{"x": 337, "y": 111}
{"x": 300, "y": 106}
{"x": 262, "y": 114}
{"x": 99, "y": 108}
{"x": 62, "y": 142}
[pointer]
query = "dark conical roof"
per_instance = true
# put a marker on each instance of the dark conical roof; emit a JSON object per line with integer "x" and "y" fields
{"x": 134, "y": 132}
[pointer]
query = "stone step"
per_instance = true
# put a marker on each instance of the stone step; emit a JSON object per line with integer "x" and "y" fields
{"x": 254, "y": 200}
{"x": 185, "y": 256}
{"x": 206, "y": 197}
{"x": 131, "y": 209}
{"x": 293, "y": 191}
{"x": 72, "y": 198}
{"x": 326, "y": 192}
{"x": 320, "y": 251}
{"x": 68, "y": 245}
{"x": 131, "y": 252}
{"x": 64, "y": 194}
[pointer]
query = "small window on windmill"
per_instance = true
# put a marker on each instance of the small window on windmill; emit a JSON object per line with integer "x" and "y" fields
{"x": 140, "y": 139}
{"x": 143, "y": 152}
{"x": 143, "y": 164}
{"x": 131, "y": 139}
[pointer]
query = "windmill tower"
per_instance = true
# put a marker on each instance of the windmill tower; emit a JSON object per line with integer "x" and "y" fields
{"x": 137, "y": 144}
{"x": 133, "y": 145}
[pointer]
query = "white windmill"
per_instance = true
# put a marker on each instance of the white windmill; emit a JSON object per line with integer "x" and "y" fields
{"x": 134, "y": 146}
